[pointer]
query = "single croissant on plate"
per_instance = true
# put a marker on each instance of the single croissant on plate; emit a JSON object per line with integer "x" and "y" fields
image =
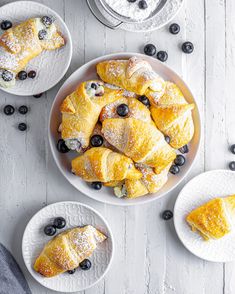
{"x": 140, "y": 141}
{"x": 213, "y": 220}
{"x": 135, "y": 75}
{"x": 23, "y": 42}
{"x": 65, "y": 251}
{"x": 104, "y": 165}
{"x": 173, "y": 116}
{"x": 80, "y": 112}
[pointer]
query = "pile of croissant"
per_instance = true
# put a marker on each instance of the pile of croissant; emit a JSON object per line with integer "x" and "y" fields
{"x": 134, "y": 157}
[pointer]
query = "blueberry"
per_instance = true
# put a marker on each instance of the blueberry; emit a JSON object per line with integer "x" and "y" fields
{"x": 174, "y": 169}
{"x": 85, "y": 264}
{"x": 180, "y": 160}
{"x": 167, "y": 214}
{"x": 122, "y": 109}
{"x": 32, "y": 74}
{"x": 142, "y": 4}
{"x": 94, "y": 86}
{"x": 59, "y": 223}
{"x": 71, "y": 271}
{"x": 167, "y": 139}
{"x": 131, "y": 1}
{"x": 42, "y": 34}
{"x": 232, "y": 165}
{"x": 6, "y": 24}
{"x": 22, "y": 75}
{"x": 144, "y": 100}
{"x": 22, "y": 127}
{"x": 49, "y": 230}
{"x": 187, "y": 47}
{"x": 38, "y": 95}
{"x": 174, "y": 28}
{"x": 162, "y": 56}
{"x": 96, "y": 140}
{"x": 47, "y": 21}
{"x": 7, "y": 76}
{"x": 9, "y": 109}
{"x": 184, "y": 149}
{"x": 150, "y": 49}
{"x": 96, "y": 185}
{"x": 232, "y": 148}
{"x": 61, "y": 146}
{"x": 23, "y": 109}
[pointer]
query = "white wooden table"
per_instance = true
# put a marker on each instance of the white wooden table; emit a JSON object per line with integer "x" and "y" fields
{"x": 149, "y": 257}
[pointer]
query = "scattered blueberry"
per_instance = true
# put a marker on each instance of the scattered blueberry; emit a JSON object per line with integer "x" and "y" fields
{"x": 174, "y": 169}
{"x": 142, "y": 4}
{"x": 96, "y": 185}
{"x": 96, "y": 140}
{"x": 232, "y": 165}
{"x": 144, "y": 100}
{"x": 167, "y": 139}
{"x": 32, "y": 74}
{"x": 49, "y": 230}
{"x": 85, "y": 264}
{"x": 94, "y": 86}
{"x": 9, "y": 109}
{"x": 61, "y": 146}
{"x": 122, "y": 110}
{"x": 184, "y": 149}
{"x": 59, "y": 223}
{"x": 179, "y": 160}
{"x": 232, "y": 148}
{"x": 47, "y": 21}
{"x": 22, "y": 75}
{"x": 71, "y": 271}
{"x": 150, "y": 49}
{"x": 162, "y": 56}
{"x": 22, "y": 127}
{"x": 174, "y": 28}
{"x": 187, "y": 47}
{"x": 38, "y": 95}
{"x": 23, "y": 109}
{"x": 42, "y": 34}
{"x": 6, "y": 24}
{"x": 7, "y": 76}
{"x": 167, "y": 214}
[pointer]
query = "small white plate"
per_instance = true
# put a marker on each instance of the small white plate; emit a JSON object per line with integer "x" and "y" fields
{"x": 201, "y": 189}
{"x": 50, "y": 66}
{"x": 76, "y": 214}
{"x": 63, "y": 161}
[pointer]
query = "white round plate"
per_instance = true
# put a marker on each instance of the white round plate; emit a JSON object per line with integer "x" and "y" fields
{"x": 201, "y": 189}
{"x": 76, "y": 214}
{"x": 87, "y": 72}
{"x": 50, "y": 66}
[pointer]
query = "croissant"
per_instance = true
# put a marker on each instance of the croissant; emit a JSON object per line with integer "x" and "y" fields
{"x": 140, "y": 141}
{"x": 213, "y": 219}
{"x": 23, "y": 42}
{"x": 65, "y": 251}
{"x": 104, "y": 165}
{"x": 80, "y": 112}
{"x": 134, "y": 74}
{"x": 172, "y": 116}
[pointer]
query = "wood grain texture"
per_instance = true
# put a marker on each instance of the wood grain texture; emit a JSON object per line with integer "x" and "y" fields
{"x": 149, "y": 258}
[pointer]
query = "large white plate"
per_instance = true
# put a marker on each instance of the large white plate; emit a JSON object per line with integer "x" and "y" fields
{"x": 63, "y": 161}
{"x": 76, "y": 214}
{"x": 50, "y": 66}
{"x": 206, "y": 186}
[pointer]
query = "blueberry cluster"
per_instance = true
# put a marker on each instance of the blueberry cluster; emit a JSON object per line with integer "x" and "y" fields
{"x": 10, "y": 110}
{"x": 232, "y": 163}
{"x": 23, "y": 75}
{"x": 142, "y": 3}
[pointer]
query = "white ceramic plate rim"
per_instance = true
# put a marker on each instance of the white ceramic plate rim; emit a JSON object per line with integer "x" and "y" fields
{"x": 175, "y": 208}
{"x": 89, "y": 208}
{"x": 69, "y": 57}
{"x": 150, "y": 197}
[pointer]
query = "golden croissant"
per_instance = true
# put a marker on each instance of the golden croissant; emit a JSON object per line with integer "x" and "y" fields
{"x": 140, "y": 141}
{"x": 135, "y": 75}
{"x": 80, "y": 112}
{"x": 213, "y": 220}
{"x": 172, "y": 116}
{"x": 65, "y": 251}
{"x": 104, "y": 165}
{"x": 23, "y": 42}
